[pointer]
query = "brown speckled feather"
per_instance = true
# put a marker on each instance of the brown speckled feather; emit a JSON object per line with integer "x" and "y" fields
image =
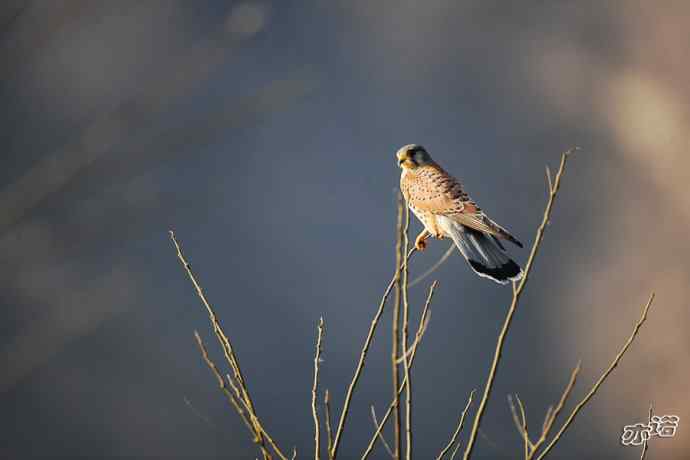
{"x": 431, "y": 191}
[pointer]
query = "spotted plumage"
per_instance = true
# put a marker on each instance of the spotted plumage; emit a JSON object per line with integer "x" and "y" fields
{"x": 441, "y": 204}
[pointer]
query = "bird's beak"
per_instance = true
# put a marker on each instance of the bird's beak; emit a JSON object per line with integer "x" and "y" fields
{"x": 400, "y": 161}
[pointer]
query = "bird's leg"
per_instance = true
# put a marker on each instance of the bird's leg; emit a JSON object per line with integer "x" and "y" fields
{"x": 420, "y": 241}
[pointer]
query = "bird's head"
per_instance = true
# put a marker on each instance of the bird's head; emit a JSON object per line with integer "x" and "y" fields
{"x": 412, "y": 156}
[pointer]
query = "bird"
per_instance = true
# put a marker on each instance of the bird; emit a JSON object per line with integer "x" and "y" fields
{"x": 445, "y": 210}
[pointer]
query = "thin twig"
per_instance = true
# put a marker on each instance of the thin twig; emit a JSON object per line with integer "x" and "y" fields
{"x": 221, "y": 384}
{"x": 395, "y": 340}
{"x": 458, "y": 430}
{"x": 381, "y": 438}
{"x": 405, "y": 344}
{"x": 455, "y": 451}
{"x": 362, "y": 359}
{"x": 327, "y": 410}
{"x": 513, "y": 412}
{"x": 403, "y": 384}
{"x": 520, "y": 424}
{"x": 256, "y": 422}
{"x": 552, "y": 415}
{"x": 228, "y": 352}
{"x": 547, "y": 417}
{"x": 434, "y": 267}
{"x": 645, "y": 446}
{"x": 527, "y": 443}
{"x": 423, "y": 323}
{"x": 548, "y": 178}
{"x": 426, "y": 317}
{"x": 517, "y": 291}
{"x": 601, "y": 380}
{"x": 314, "y": 390}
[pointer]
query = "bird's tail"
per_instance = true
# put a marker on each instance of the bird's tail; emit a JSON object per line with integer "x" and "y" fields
{"x": 482, "y": 251}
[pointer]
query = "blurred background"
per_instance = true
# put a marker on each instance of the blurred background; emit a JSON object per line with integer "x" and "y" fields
{"x": 264, "y": 133}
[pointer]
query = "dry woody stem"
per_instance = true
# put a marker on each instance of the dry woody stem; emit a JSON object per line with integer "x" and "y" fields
{"x": 381, "y": 438}
{"x": 362, "y": 359}
{"x": 314, "y": 392}
{"x": 329, "y": 431}
{"x": 517, "y": 291}
{"x": 221, "y": 383}
{"x": 395, "y": 340}
{"x": 405, "y": 344}
{"x": 458, "y": 430}
{"x": 403, "y": 384}
{"x": 242, "y": 393}
{"x": 601, "y": 380}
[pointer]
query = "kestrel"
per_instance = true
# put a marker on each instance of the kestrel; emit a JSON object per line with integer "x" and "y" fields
{"x": 445, "y": 210}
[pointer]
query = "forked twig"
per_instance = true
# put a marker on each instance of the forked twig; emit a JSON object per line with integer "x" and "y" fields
{"x": 362, "y": 359}
{"x": 221, "y": 383}
{"x": 551, "y": 415}
{"x": 458, "y": 430}
{"x": 255, "y": 420}
{"x": 601, "y": 380}
{"x": 230, "y": 357}
{"x": 403, "y": 384}
{"x": 517, "y": 291}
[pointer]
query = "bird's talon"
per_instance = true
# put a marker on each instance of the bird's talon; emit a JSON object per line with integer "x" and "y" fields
{"x": 420, "y": 244}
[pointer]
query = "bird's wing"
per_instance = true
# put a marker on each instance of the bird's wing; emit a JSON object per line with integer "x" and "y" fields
{"x": 435, "y": 191}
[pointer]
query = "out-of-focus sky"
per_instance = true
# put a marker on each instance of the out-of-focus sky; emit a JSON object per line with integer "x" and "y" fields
{"x": 264, "y": 133}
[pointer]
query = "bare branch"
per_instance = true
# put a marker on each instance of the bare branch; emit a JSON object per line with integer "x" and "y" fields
{"x": 221, "y": 383}
{"x": 645, "y": 446}
{"x": 527, "y": 443}
{"x": 552, "y": 415}
{"x": 362, "y": 359}
{"x": 455, "y": 451}
{"x": 548, "y": 178}
{"x": 426, "y": 317}
{"x": 256, "y": 422}
{"x": 314, "y": 389}
{"x": 329, "y": 433}
{"x": 403, "y": 384}
{"x": 458, "y": 430}
{"x": 405, "y": 331}
{"x": 381, "y": 438}
{"x": 601, "y": 380}
{"x": 520, "y": 424}
{"x": 517, "y": 291}
{"x": 395, "y": 340}
{"x": 434, "y": 267}
{"x": 229, "y": 353}
{"x": 547, "y": 417}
